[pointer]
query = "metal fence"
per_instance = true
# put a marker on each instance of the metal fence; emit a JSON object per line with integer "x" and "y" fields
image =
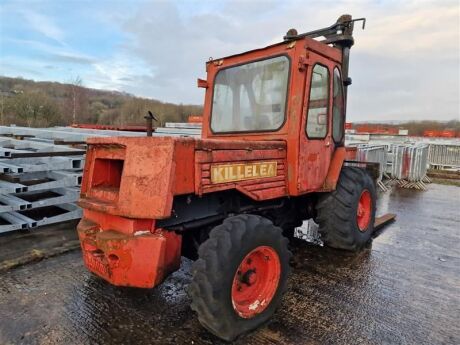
{"x": 444, "y": 155}
{"x": 408, "y": 161}
{"x": 374, "y": 154}
{"x": 408, "y": 165}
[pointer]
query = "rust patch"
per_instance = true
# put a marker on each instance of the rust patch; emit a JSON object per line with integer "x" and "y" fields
{"x": 312, "y": 157}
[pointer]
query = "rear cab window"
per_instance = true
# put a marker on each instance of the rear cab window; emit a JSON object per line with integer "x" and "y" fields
{"x": 251, "y": 97}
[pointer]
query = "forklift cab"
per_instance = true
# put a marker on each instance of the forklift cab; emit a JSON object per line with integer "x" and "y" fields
{"x": 294, "y": 91}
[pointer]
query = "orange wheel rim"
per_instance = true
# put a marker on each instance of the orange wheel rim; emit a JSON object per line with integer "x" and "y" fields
{"x": 364, "y": 210}
{"x": 256, "y": 281}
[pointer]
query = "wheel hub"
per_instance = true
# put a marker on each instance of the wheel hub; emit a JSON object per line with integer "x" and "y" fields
{"x": 249, "y": 277}
{"x": 256, "y": 281}
{"x": 364, "y": 210}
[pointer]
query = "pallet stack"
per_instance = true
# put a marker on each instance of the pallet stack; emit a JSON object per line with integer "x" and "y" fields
{"x": 39, "y": 182}
{"x": 41, "y": 171}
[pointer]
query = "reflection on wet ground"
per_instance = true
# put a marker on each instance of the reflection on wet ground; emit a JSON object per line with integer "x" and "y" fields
{"x": 404, "y": 288}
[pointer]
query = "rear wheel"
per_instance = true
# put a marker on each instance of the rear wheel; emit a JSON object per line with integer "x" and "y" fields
{"x": 346, "y": 216}
{"x": 240, "y": 276}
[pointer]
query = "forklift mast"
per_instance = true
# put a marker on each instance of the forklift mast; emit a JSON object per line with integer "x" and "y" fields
{"x": 340, "y": 35}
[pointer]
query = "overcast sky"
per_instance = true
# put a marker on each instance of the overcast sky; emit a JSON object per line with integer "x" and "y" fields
{"x": 405, "y": 65}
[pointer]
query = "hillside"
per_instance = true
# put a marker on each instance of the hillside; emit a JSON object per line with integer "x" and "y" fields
{"x": 41, "y": 104}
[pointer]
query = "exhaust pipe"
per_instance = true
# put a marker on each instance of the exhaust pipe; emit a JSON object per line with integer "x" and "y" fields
{"x": 149, "y": 119}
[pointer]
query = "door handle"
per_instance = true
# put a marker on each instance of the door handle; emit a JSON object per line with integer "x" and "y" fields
{"x": 328, "y": 144}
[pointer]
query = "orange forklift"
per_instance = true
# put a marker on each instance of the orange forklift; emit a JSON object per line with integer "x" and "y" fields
{"x": 270, "y": 156}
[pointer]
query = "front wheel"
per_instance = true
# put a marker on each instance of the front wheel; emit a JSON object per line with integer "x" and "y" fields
{"x": 346, "y": 216}
{"x": 240, "y": 276}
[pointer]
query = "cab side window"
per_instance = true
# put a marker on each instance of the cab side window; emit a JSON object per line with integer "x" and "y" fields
{"x": 338, "y": 109}
{"x": 318, "y": 103}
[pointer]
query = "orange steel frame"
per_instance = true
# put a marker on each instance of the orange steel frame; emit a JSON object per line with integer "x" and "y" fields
{"x": 130, "y": 183}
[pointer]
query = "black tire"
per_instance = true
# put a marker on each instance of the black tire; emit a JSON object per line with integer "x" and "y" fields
{"x": 219, "y": 260}
{"x": 337, "y": 211}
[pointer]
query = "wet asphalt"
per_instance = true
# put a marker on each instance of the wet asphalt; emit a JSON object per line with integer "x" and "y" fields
{"x": 404, "y": 288}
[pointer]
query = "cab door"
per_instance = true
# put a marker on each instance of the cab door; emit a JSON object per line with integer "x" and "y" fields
{"x": 315, "y": 143}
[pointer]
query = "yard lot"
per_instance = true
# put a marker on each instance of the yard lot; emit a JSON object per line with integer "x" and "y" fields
{"x": 403, "y": 289}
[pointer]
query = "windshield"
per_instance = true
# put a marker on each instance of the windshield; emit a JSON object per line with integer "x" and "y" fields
{"x": 251, "y": 97}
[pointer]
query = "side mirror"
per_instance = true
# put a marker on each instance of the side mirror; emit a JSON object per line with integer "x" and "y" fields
{"x": 202, "y": 83}
{"x": 321, "y": 119}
